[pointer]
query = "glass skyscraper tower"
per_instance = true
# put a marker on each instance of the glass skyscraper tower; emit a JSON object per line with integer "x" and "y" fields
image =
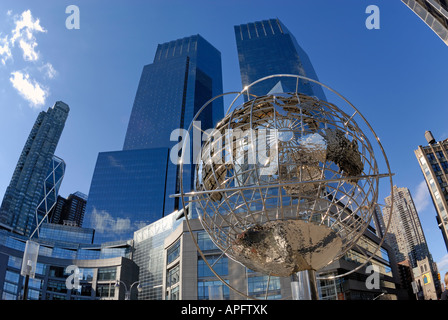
{"x": 131, "y": 188}
{"x": 27, "y": 187}
{"x": 266, "y": 48}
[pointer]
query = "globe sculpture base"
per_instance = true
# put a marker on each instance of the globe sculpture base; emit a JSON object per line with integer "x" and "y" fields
{"x": 284, "y": 247}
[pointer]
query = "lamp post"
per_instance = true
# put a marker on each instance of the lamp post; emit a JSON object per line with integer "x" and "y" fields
{"x": 127, "y": 295}
{"x": 29, "y": 263}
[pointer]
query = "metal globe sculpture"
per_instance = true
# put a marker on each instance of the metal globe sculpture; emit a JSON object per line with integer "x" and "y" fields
{"x": 285, "y": 182}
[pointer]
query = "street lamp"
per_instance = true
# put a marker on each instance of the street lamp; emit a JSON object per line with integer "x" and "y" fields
{"x": 128, "y": 292}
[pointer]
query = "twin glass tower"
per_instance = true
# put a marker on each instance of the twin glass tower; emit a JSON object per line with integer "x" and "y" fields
{"x": 131, "y": 188}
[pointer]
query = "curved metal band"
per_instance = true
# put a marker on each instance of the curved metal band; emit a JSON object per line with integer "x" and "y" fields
{"x": 246, "y": 90}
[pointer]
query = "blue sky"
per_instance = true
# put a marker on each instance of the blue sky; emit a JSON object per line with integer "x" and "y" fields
{"x": 395, "y": 75}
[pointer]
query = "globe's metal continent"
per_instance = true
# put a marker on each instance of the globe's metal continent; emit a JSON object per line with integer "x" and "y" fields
{"x": 283, "y": 247}
{"x": 297, "y": 207}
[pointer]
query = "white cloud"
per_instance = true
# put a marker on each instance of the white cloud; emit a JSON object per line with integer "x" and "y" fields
{"x": 104, "y": 222}
{"x": 23, "y": 37}
{"x": 29, "y": 89}
{"x": 25, "y": 27}
{"x": 422, "y": 197}
{"x": 48, "y": 70}
{"x": 29, "y": 54}
{"x": 5, "y": 50}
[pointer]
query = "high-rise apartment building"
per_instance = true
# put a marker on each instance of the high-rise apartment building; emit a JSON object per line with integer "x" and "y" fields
{"x": 433, "y": 161}
{"x": 408, "y": 238}
{"x": 26, "y": 189}
{"x": 266, "y": 48}
{"x": 69, "y": 211}
{"x": 132, "y": 188}
{"x": 434, "y": 13}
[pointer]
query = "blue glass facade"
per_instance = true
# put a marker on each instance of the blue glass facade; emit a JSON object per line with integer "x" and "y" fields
{"x": 266, "y": 48}
{"x": 99, "y": 266}
{"x": 185, "y": 74}
{"x": 132, "y": 188}
{"x": 149, "y": 255}
{"x": 127, "y": 192}
{"x": 57, "y": 232}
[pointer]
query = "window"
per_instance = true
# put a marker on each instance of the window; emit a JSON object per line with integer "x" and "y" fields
{"x": 86, "y": 274}
{"x": 204, "y": 241}
{"x": 57, "y": 272}
{"x": 213, "y": 290}
{"x": 172, "y": 283}
{"x": 85, "y": 290}
{"x": 173, "y": 293}
{"x": 444, "y": 165}
{"x": 173, "y": 252}
{"x": 109, "y": 273}
{"x": 15, "y": 262}
{"x": 173, "y": 276}
{"x": 221, "y": 266}
{"x": 435, "y": 167}
{"x": 12, "y": 276}
{"x": 105, "y": 290}
{"x": 56, "y": 286}
{"x": 257, "y": 287}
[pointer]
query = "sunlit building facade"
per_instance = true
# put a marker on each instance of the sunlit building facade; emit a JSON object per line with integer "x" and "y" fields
{"x": 409, "y": 241}
{"x": 28, "y": 186}
{"x": 434, "y": 13}
{"x": 406, "y": 237}
{"x": 433, "y": 161}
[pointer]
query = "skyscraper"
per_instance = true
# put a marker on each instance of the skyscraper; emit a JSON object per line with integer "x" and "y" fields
{"x": 433, "y": 161}
{"x": 266, "y": 48}
{"x": 71, "y": 210}
{"x": 410, "y": 243}
{"x": 434, "y": 13}
{"x": 26, "y": 189}
{"x": 406, "y": 237}
{"x": 184, "y": 75}
{"x": 131, "y": 188}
